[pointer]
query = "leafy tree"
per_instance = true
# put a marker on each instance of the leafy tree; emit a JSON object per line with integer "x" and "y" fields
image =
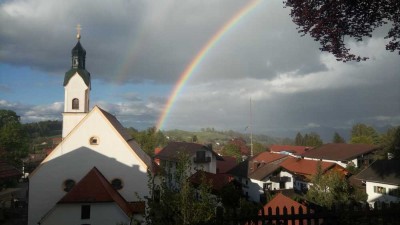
{"x": 180, "y": 203}
{"x": 13, "y": 139}
{"x": 332, "y": 23}
{"x": 299, "y": 139}
{"x": 329, "y": 188}
{"x": 391, "y": 141}
{"x": 231, "y": 149}
{"x": 148, "y": 139}
{"x": 337, "y": 138}
{"x": 258, "y": 148}
{"x": 364, "y": 134}
{"x": 312, "y": 139}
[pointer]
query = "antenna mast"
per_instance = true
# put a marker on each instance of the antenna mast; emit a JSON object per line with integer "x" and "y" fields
{"x": 251, "y": 130}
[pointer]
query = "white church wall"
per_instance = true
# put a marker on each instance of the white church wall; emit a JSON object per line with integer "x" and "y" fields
{"x": 100, "y": 213}
{"x": 75, "y": 157}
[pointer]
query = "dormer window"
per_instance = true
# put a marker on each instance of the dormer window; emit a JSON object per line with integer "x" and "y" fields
{"x": 94, "y": 141}
{"x": 75, "y": 103}
{"x": 201, "y": 157}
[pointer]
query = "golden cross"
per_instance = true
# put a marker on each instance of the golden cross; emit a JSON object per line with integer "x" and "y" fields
{"x": 78, "y": 31}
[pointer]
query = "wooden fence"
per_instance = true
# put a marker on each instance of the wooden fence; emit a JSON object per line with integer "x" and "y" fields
{"x": 380, "y": 214}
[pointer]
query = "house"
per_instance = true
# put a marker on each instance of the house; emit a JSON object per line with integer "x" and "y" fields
{"x": 382, "y": 181}
{"x": 303, "y": 170}
{"x": 271, "y": 172}
{"x": 356, "y": 155}
{"x": 89, "y": 200}
{"x": 291, "y": 150}
{"x": 91, "y": 138}
{"x": 202, "y": 157}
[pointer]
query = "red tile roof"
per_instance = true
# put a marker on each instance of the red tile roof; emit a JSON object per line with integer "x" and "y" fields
{"x": 227, "y": 164}
{"x": 339, "y": 151}
{"x": 94, "y": 188}
{"x": 281, "y": 201}
{"x": 297, "y": 150}
{"x": 305, "y": 167}
{"x": 217, "y": 181}
{"x": 267, "y": 157}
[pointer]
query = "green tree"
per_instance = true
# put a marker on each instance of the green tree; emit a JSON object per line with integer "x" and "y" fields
{"x": 258, "y": 148}
{"x": 148, "y": 139}
{"x": 337, "y": 138}
{"x": 13, "y": 138}
{"x": 391, "y": 142}
{"x": 329, "y": 188}
{"x": 179, "y": 202}
{"x": 231, "y": 149}
{"x": 333, "y": 23}
{"x": 299, "y": 139}
{"x": 364, "y": 134}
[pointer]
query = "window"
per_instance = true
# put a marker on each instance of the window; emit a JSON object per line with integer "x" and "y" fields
{"x": 394, "y": 192}
{"x": 201, "y": 156}
{"x": 117, "y": 184}
{"x": 85, "y": 212}
{"x": 94, "y": 141}
{"x": 68, "y": 185}
{"x": 75, "y": 103}
{"x": 379, "y": 189}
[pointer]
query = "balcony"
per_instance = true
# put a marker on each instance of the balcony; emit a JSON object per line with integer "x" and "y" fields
{"x": 202, "y": 159}
{"x": 279, "y": 179}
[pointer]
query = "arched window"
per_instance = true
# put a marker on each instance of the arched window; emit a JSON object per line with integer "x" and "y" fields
{"x": 75, "y": 103}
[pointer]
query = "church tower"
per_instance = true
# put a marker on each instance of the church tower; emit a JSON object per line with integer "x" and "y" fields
{"x": 77, "y": 89}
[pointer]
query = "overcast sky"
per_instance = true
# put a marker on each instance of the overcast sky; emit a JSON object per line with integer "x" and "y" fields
{"x": 136, "y": 51}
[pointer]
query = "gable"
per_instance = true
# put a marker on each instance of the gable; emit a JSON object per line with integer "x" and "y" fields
{"x": 113, "y": 140}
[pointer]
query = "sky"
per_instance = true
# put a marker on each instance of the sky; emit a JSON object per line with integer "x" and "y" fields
{"x": 137, "y": 51}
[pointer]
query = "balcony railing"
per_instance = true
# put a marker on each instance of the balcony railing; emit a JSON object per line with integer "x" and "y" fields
{"x": 202, "y": 159}
{"x": 279, "y": 179}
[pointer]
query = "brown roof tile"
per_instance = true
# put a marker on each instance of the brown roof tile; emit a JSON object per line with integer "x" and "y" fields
{"x": 223, "y": 166}
{"x": 94, "y": 188}
{"x": 8, "y": 171}
{"x": 217, "y": 181}
{"x": 382, "y": 171}
{"x": 297, "y": 150}
{"x": 305, "y": 167}
{"x": 339, "y": 151}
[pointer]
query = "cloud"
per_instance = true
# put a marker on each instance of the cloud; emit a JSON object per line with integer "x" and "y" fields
{"x": 142, "y": 47}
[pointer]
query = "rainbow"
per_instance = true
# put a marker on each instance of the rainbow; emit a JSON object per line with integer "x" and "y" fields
{"x": 184, "y": 77}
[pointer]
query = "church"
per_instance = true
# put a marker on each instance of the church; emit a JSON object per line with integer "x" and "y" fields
{"x": 98, "y": 174}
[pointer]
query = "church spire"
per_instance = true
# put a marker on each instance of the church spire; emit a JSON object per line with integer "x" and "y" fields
{"x": 77, "y": 88}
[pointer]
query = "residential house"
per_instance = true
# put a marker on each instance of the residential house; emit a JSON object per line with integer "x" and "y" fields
{"x": 278, "y": 172}
{"x": 382, "y": 181}
{"x": 303, "y": 170}
{"x": 201, "y": 157}
{"x": 356, "y": 155}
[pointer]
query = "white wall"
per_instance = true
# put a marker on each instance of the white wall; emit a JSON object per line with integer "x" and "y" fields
{"x": 100, "y": 213}
{"x": 75, "y": 157}
{"x": 372, "y": 196}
